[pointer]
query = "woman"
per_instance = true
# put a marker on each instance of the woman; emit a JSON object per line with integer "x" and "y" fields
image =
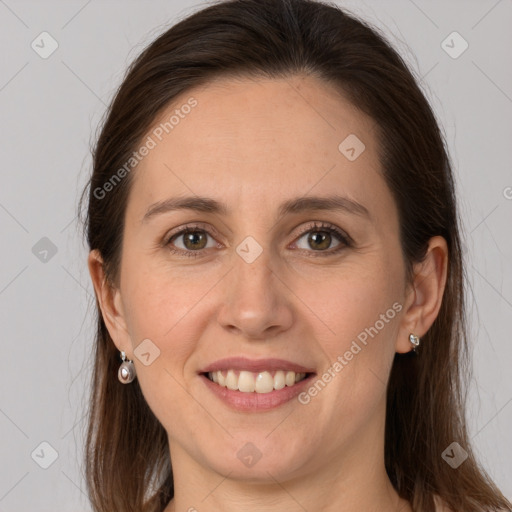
{"x": 275, "y": 250}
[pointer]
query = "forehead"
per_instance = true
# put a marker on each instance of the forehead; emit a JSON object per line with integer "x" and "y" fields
{"x": 244, "y": 138}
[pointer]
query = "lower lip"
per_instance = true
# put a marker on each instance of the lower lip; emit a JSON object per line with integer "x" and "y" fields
{"x": 256, "y": 401}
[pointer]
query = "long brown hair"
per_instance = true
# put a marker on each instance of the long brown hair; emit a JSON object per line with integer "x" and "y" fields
{"x": 127, "y": 461}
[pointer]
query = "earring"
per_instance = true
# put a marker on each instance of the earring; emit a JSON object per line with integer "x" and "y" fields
{"x": 414, "y": 340}
{"x": 126, "y": 372}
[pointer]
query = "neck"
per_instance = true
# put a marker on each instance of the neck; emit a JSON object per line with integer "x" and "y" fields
{"x": 350, "y": 483}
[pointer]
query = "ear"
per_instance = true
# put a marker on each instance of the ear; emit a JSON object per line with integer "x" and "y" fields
{"x": 109, "y": 300}
{"x": 425, "y": 294}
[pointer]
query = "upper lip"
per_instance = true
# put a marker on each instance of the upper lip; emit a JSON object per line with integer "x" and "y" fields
{"x": 255, "y": 365}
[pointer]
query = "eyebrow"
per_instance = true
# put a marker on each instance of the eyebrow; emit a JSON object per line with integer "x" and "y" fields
{"x": 296, "y": 205}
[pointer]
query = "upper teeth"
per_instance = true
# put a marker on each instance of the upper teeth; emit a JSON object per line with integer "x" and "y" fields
{"x": 262, "y": 382}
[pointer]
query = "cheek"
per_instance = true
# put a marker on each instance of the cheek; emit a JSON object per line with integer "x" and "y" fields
{"x": 160, "y": 307}
{"x": 360, "y": 320}
{"x": 157, "y": 302}
{"x": 167, "y": 308}
{"x": 351, "y": 304}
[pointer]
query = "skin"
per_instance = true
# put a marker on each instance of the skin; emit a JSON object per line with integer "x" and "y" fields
{"x": 253, "y": 144}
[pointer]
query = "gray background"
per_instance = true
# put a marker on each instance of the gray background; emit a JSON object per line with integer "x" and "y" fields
{"x": 50, "y": 112}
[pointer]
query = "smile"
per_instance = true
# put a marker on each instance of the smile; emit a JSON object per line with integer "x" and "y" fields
{"x": 255, "y": 382}
{"x": 255, "y": 385}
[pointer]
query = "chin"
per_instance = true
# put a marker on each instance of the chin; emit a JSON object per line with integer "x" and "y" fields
{"x": 259, "y": 459}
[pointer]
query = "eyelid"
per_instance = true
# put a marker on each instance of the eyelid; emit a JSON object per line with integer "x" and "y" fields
{"x": 330, "y": 228}
{"x": 199, "y": 226}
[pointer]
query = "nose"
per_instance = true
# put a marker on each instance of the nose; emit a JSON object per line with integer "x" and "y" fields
{"x": 257, "y": 303}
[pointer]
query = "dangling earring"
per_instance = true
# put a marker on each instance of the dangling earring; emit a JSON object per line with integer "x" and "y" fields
{"x": 414, "y": 340}
{"x": 126, "y": 372}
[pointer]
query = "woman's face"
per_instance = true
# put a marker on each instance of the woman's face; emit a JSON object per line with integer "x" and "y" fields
{"x": 263, "y": 286}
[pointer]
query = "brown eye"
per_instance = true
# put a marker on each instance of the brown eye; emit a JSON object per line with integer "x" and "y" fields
{"x": 190, "y": 241}
{"x": 319, "y": 240}
{"x": 194, "y": 240}
{"x": 321, "y": 237}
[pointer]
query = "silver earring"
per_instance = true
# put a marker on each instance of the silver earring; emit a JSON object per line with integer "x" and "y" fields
{"x": 126, "y": 372}
{"x": 414, "y": 340}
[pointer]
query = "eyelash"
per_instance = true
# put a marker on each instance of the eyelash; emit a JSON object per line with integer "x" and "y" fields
{"x": 345, "y": 240}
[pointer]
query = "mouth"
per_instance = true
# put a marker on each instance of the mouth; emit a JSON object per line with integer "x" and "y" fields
{"x": 256, "y": 382}
{"x": 255, "y": 385}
